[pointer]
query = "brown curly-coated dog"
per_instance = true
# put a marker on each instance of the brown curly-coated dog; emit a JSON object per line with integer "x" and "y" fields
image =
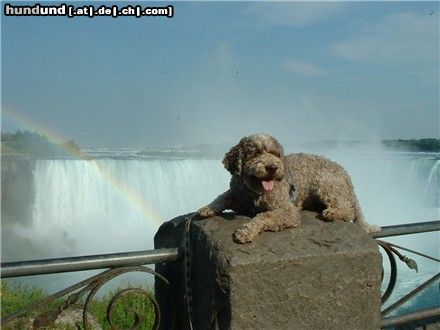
{"x": 264, "y": 182}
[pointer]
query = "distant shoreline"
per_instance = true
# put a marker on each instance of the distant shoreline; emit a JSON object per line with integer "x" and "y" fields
{"x": 32, "y": 145}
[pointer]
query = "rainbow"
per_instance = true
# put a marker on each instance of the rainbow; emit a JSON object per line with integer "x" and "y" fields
{"x": 24, "y": 122}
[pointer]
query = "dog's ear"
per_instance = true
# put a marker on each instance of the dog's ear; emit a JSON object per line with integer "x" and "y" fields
{"x": 279, "y": 147}
{"x": 232, "y": 160}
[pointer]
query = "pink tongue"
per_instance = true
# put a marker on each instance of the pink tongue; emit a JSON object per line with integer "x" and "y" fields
{"x": 268, "y": 185}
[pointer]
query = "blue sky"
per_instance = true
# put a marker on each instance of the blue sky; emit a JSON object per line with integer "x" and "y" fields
{"x": 218, "y": 71}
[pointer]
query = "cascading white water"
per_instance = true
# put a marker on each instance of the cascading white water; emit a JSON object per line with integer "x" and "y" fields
{"x": 399, "y": 188}
{"x": 395, "y": 188}
{"x": 108, "y": 205}
{"x": 111, "y": 204}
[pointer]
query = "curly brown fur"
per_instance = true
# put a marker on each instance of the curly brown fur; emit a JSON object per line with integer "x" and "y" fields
{"x": 262, "y": 180}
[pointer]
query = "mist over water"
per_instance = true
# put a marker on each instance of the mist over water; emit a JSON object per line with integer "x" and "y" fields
{"x": 111, "y": 205}
{"x": 116, "y": 203}
{"x": 398, "y": 188}
{"x": 105, "y": 205}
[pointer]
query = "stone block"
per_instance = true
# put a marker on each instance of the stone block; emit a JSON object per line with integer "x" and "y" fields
{"x": 321, "y": 275}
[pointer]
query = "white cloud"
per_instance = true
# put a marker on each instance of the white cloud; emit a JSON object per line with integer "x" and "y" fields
{"x": 398, "y": 39}
{"x": 303, "y": 68}
{"x": 296, "y": 14}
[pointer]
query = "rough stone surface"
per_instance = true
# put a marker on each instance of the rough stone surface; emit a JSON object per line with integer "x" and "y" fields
{"x": 318, "y": 276}
{"x": 70, "y": 318}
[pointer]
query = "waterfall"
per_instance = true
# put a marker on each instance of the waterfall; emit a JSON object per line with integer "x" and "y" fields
{"x": 397, "y": 188}
{"x": 112, "y": 204}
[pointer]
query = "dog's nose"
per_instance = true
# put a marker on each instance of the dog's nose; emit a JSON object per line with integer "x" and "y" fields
{"x": 271, "y": 168}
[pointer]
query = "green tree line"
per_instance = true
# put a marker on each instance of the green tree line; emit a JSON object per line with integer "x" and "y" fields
{"x": 36, "y": 145}
{"x": 429, "y": 145}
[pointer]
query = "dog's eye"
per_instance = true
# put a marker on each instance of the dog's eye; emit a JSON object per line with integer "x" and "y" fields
{"x": 275, "y": 153}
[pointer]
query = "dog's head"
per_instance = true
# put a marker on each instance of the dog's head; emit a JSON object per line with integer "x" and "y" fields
{"x": 259, "y": 160}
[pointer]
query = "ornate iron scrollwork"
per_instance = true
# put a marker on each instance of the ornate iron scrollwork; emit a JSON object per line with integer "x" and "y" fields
{"x": 90, "y": 287}
{"x": 393, "y": 271}
{"x": 391, "y": 251}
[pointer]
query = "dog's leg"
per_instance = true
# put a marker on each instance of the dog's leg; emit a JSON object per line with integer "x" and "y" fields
{"x": 337, "y": 211}
{"x": 342, "y": 211}
{"x": 333, "y": 194}
{"x": 275, "y": 220}
{"x": 223, "y": 202}
{"x": 343, "y": 206}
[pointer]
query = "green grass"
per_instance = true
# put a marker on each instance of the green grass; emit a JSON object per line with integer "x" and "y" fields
{"x": 17, "y": 297}
{"x": 123, "y": 315}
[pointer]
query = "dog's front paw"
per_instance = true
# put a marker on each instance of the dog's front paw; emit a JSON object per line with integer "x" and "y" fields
{"x": 330, "y": 215}
{"x": 243, "y": 235}
{"x": 205, "y": 212}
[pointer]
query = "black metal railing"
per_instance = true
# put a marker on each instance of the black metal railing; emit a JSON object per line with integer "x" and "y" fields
{"x": 97, "y": 261}
{"x": 121, "y": 263}
{"x": 118, "y": 264}
{"x": 421, "y": 317}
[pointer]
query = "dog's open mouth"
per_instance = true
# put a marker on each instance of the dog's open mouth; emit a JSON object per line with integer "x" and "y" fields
{"x": 268, "y": 185}
{"x": 263, "y": 184}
